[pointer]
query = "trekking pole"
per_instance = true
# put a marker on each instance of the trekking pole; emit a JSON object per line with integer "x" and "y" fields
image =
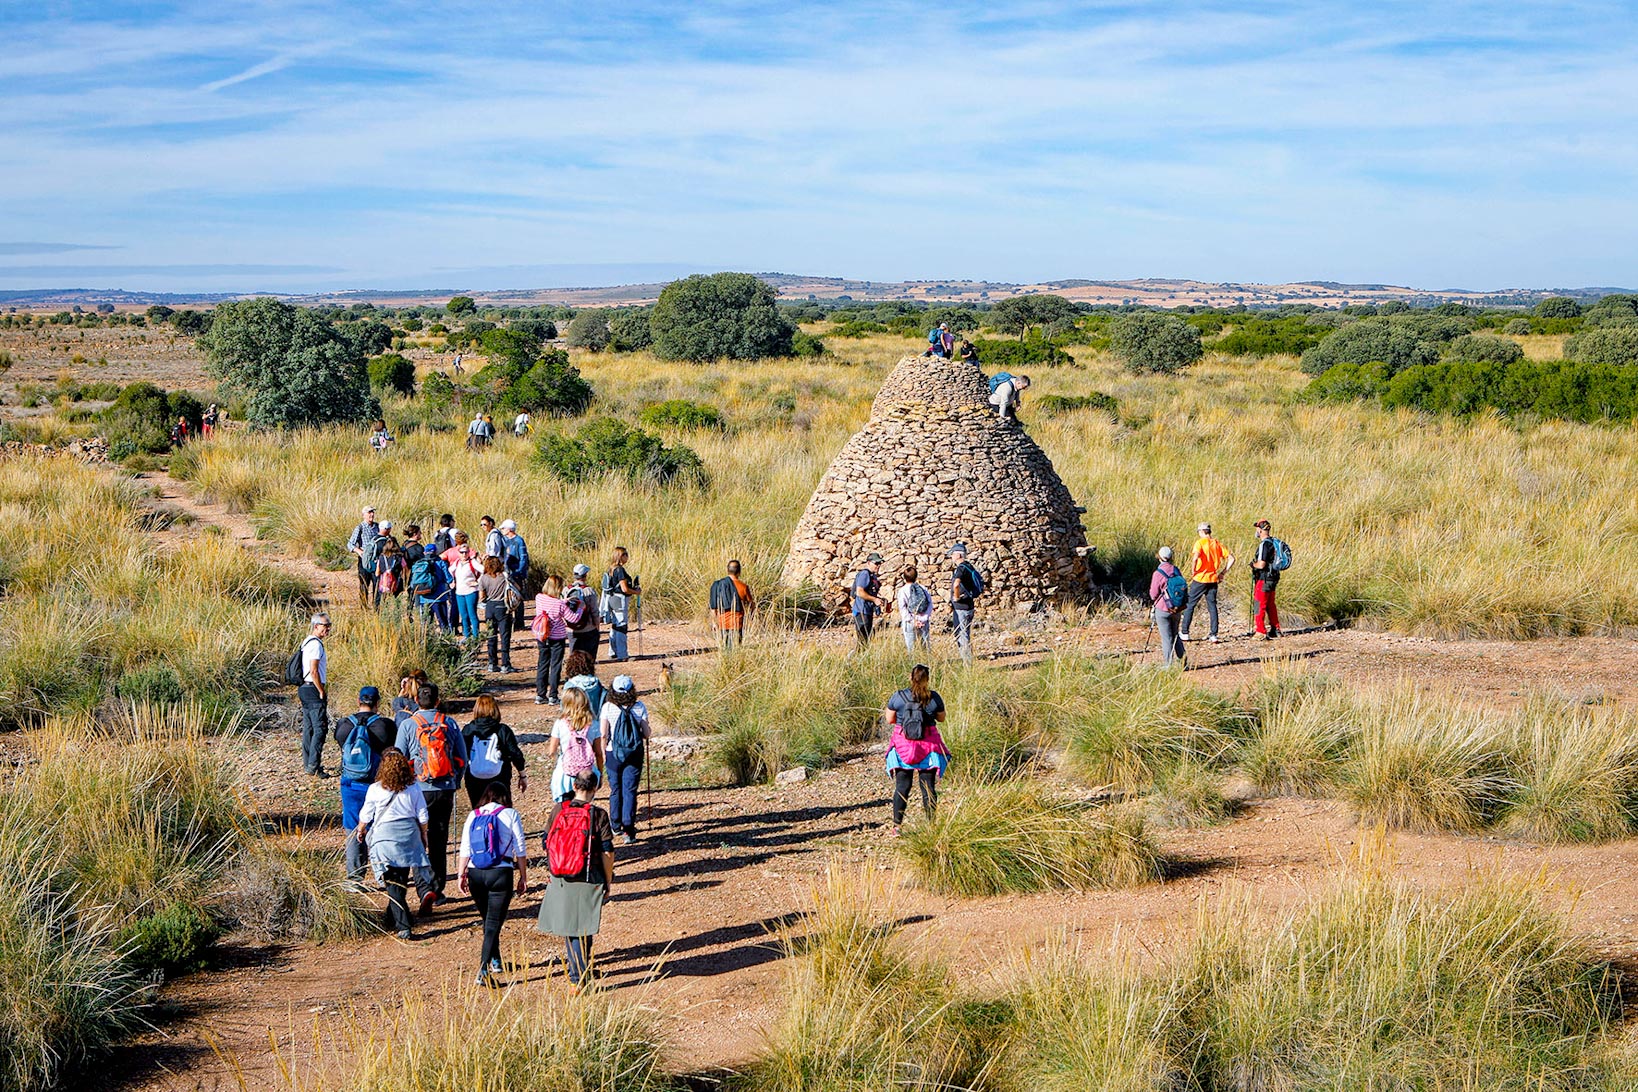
{"x": 648, "y": 782}
{"x": 639, "y": 623}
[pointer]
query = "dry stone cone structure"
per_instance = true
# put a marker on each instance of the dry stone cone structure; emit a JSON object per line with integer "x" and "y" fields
{"x": 932, "y": 467}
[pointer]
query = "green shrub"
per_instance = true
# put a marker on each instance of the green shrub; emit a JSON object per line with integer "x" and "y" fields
{"x": 1268, "y": 337}
{"x": 461, "y": 305}
{"x": 1558, "y": 307}
{"x": 551, "y": 385}
{"x": 1480, "y": 348}
{"x": 1547, "y": 389}
{"x": 724, "y": 315}
{"x": 1613, "y": 345}
{"x": 806, "y": 345}
{"x": 1395, "y": 342}
{"x": 606, "y": 445}
{"x": 856, "y": 328}
{"x": 173, "y": 940}
{"x": 140, "y": 419}
{"x": 629, "y": 330}
{"x": 392, "y": 372}
{"x": 292, "y": 367}
{"x": 681, "y": 413}
{"x": 1007, "y": 355}
{"x": 1152, "y": 342}
{"x": 1517, "y": 327}
{"x": 589, "y": 330}
{"x": 1055, "y": 405}
{"x": 155, "y": 684}
{"x": 438, "y": 391}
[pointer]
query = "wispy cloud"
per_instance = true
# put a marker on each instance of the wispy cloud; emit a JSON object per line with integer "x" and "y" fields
{"x": 49, "y": 248}
{"x": 1468, "y": 143}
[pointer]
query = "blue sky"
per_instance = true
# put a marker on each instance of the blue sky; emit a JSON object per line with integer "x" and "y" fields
{"x": 297, "y": 146}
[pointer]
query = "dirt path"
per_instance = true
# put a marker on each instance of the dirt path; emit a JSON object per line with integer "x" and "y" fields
{"x": 718, "y": 870}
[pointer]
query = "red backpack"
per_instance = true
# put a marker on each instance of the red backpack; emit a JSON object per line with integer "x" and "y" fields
{"x": 568, "y": 843}
{"x": 433, "y": 737}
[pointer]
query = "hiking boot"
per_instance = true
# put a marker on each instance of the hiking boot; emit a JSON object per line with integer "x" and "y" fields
{"x": 543, "y": 701}
{"x": 428, "y": 901}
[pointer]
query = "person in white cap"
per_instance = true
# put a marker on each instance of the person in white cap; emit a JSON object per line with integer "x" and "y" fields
{"x": 1168, "y": 591}
{"x": 623, "y": 724}
{"x": 314, "y": 693}
{"x": 584, "y": 630}
{"x": 361, "y": 544}
{"x": 1207, "y": 567}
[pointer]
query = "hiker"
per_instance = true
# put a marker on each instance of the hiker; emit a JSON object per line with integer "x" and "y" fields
{"x": 494, "y": 543}
{"x": 314, "y": 694}
{"x": 443, "y": 539}
{"x": 464, "y": 571}
{"x": 438, "y": 750}
{"x": 389, "y": 568}
{"x": 551, "y": 632}
{"x": 1272, "y": 558}
{"x": 364, "y": 737}
{"x": 619, "y": 588}
{"x": 522, "y": 424}
{"x": 492, "y": 752}
{"x": 179, "y": 432}
{"x": 966, "y": 585}
{"x": 493, "y": 591}
{"x": 1006, "y": 390}
{"x": 623, "y": 726}
{"x": 414, "y": 548}
{"x": 940, "y": 342}
{"x": 380, "y": 437}
{"x": 516, "y": 559}
{"x": 207, "y": 423}
{"x": 458, "y": 369}
{"x": 585, "y": 632}
{"x": 580, "y": 853}
{"x": 575, "y": 745}
{"x": 731, "y": 603}
{"x": 479, "y": 432}
{"x": 969, "y": 353}
{"x": 580, "y": 674}
{"x": 915, "y": 750}
{"x": 1208, "y": 565}
{"x": 867, "y": 599}
{"x": 493, "y": 865}
{"x": 408, "y": 687}
{"x": 362, "y": 545}
{"x": 429, "y": 580}
{"x": 1168, "y": 591}
{"x": 915, "y": 611}
{"x": 393, "y": 823}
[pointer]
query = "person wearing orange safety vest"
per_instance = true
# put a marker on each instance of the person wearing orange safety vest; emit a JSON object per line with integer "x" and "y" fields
{"x": 1209, "y": 564}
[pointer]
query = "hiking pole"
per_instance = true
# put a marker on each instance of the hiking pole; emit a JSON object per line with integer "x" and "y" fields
{"x": 640, "y": 624}
{"x": 648, "y": 780}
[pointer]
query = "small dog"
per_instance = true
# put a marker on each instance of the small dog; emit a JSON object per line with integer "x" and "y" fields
{"x": 668, "y": 674}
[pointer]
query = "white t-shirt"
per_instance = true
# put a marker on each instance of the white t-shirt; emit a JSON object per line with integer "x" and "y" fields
{"x": 905, "y": 610}
{"x": 520, "y": 423}
{"x": 466, "y": 573}
{"x": 513, "y": 842}
{"x": 380, "y": 804}
{"x": 563, "y": 733}
{"x": 314, "y": 661}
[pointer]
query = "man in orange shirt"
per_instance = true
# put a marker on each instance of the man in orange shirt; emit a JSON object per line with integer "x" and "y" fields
{"x": 731, "y": 603}
{"x": 1211, "y": 562}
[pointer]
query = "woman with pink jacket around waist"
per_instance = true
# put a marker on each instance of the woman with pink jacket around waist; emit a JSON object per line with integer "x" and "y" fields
{"x": 551, "y": 630}
{"x": 915, "y": 751}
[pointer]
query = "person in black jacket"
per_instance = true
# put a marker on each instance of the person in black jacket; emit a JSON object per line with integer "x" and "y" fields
{"x": 380, "y": 732}
{"x": 492, "y": 752}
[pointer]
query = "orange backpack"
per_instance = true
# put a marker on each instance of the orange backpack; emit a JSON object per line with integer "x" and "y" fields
{"x": 433, "y": 737}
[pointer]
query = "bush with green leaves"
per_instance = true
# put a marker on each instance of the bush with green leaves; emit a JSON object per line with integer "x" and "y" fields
{"x": 1517, "y": 327}
{"x": 173, "y": 939}
{"x": 610, "y": 446}
{"x": 730, "y": 316}
{"x": 1008, "y": 355}
{"x": 1056, "y": 405}
{"x": 805, "y": 344}
{"x": 551, "y": 385}
{"x": 140, "y": 419}
{"x": 392, "y": 372}
{"x": 1019, "y": 315}
{"x": 1268, "y": 337}
{"x": 1154, "y": 342}
{"x": 1397, "y": 342}
{"x": 682, "y": 413}
{"x": 589, "y": 330}
{"x": 1612, "y": 310}
{"x": 461, "y": 305}
{"x": 292, "y": 367}
{"x": 629, "y": 330}
{"x": 541, "y": 329}
{"x": 1479, "y": 348}
{"x": 369, "y": 337}
{"x": 1564, "y": 389}
{"x": 1558, "y": 307}
{"x": 1610, "y": 344}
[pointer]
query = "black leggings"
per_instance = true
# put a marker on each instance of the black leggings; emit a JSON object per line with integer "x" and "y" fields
{"x": 901, "y": 791}
{"x": 549, "y": 668}
{"x": 396, "y": 881}
{"x": 492, "y": 894}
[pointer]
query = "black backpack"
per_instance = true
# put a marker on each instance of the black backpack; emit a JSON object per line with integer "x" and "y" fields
{"x": 911, "y": 717}
{"x": 293, "y": 675}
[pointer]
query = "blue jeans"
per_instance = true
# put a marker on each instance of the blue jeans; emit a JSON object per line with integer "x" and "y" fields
{"x": 467, "y": 606}
{"x": 916, "y": 635}
{"x": 1171, "y": 637}
{"x": 579, "y": 957}
{"x": 963, "y": 618}
{"x": 617, "y": 642}
{"x": 314, "y": 714}
{"x": 624, "y": 780}
{"x": 352, "y": 802}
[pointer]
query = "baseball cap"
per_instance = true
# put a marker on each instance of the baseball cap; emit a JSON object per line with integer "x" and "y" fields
{"x": 875, "y": 557}
{"x": 509, "y": 525}
{"x": 1205, "y": 528}
{"x": 386, "y": 525}
{"x": 369, "y": 509}
{"x": 368, "y": 695}
{"x": 1263, "y": 523}
{"x": 624, "y": 684}
{"x": 958, "y": 548}
{"x": 582, "y": 569}
{"x": 1165, "y": 553}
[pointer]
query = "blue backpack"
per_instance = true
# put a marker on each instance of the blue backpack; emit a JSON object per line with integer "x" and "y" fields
{"x": 971, "y": 579}
{"x": 1177, "y": 588}
{"x": 933, "y": 336}
{"x": 483, "y": 848}
{"x": 424, "y": 577}
{"x": 1282, "y": 554}
{"x": 359, "y": 761}
{"x": 999, "y": 378}
{"x": 625, "y": 739}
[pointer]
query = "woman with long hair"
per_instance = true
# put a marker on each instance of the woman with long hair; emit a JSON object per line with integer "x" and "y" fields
{"x": 389, "y": 571}
{"x": 551, "y": 630}
{"x": 619, "y": 589}
{"x": 492, "y": 587}
{"x": 915, "y": 750}
{"x": 494, "y": 863}
{"x": 393, "y": 823}
{"x": 465, "y": 567}
{"x": 575, "y": 746}
{"x": 492, "y": 752}
{"x": 408, "y": 687}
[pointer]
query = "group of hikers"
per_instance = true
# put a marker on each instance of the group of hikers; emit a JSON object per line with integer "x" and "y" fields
{"x": 182, "y": 432}
{"x": 1175, "y": 596}
{"x": 915, "y": 602}
{"x": 1005, "y": 388}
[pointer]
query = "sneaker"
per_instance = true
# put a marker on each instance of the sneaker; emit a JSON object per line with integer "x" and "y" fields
{"x": 405, "y": 934}
{"x": 1265, "y": 636}
{"x": 428, "y": 901}
{"x": 552, "y": 699}
{"x": 495, "y": 966}
{"x": 541, "y": 701}
{"x": 483, "y": 978}
{"x": 1185, "y": 637}
{"x": 628, "y": 839}
{"x": 1212, "y": 638}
